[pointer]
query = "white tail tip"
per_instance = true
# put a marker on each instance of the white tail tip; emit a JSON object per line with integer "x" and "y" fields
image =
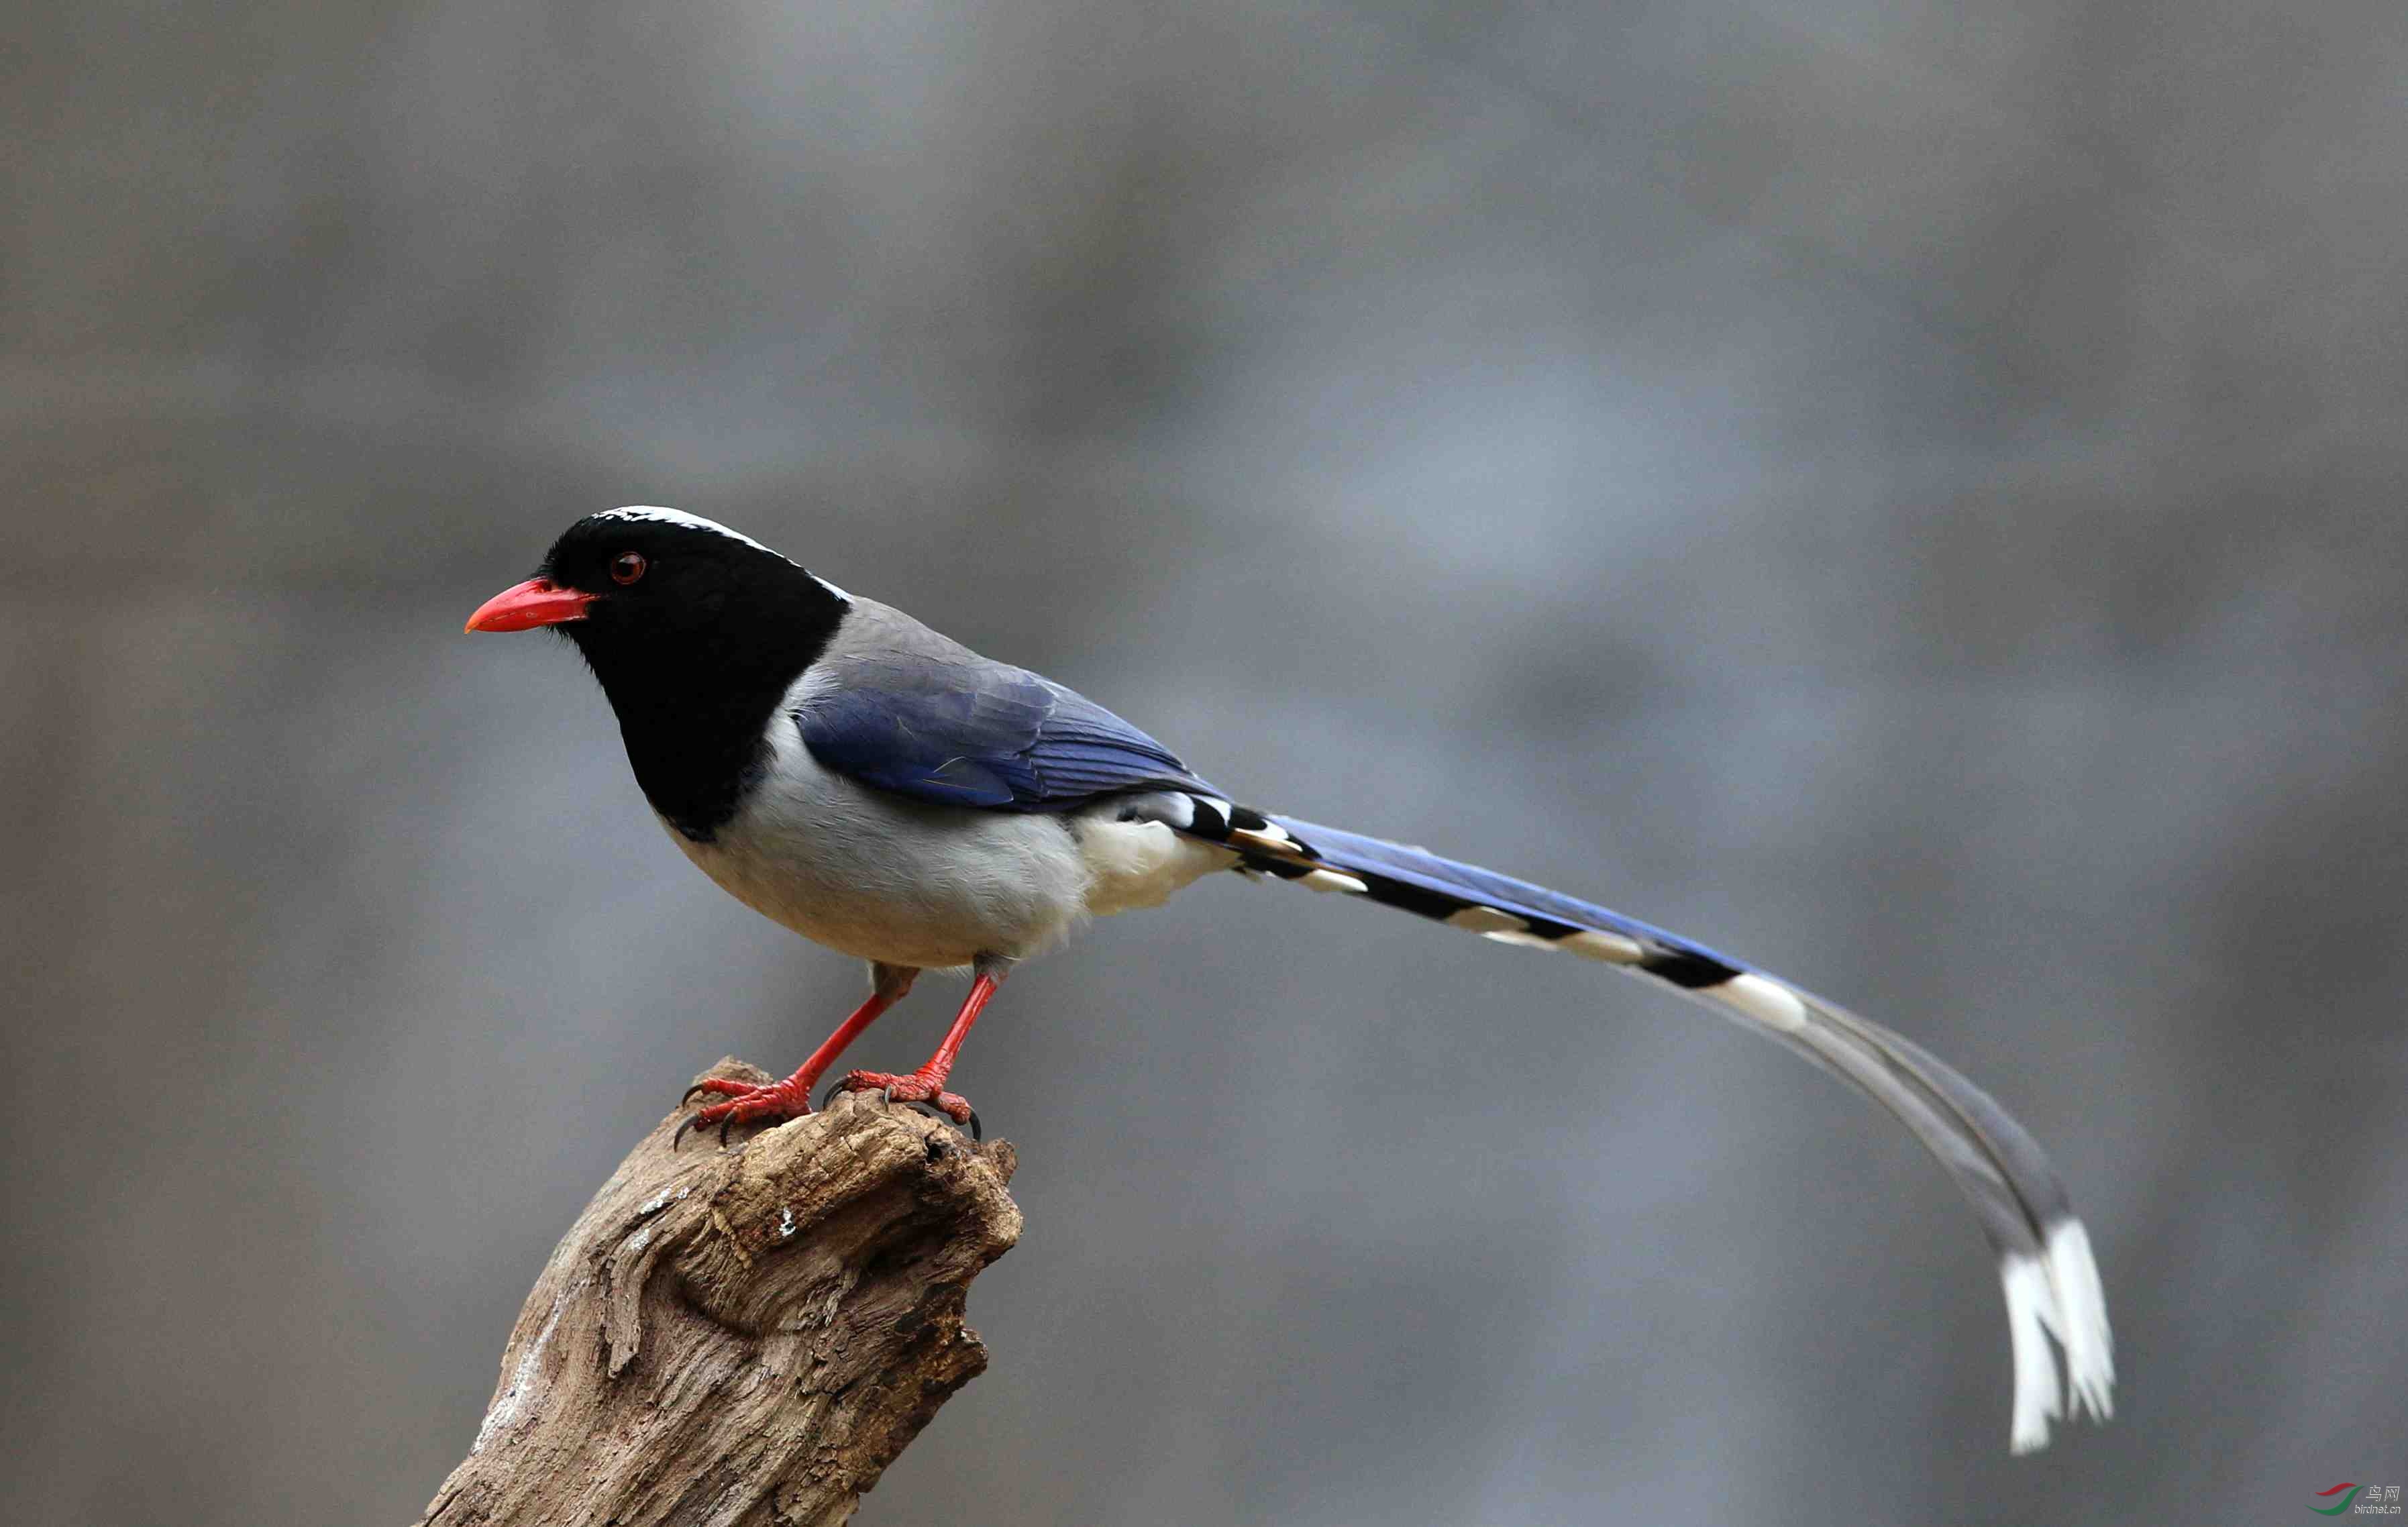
{"x": 2057, "y": 1294}
{"x": 2082, "y": 1304}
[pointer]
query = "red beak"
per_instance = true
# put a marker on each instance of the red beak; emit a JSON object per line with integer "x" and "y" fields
{"x": 529, "y": 605}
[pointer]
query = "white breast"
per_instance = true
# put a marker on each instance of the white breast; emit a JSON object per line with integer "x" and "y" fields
{"x": 882, "y": 877}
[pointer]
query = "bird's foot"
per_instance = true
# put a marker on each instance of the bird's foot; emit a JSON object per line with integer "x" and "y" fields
{"x": 746, "y": 1102}
{"x": 918, "y": 1086}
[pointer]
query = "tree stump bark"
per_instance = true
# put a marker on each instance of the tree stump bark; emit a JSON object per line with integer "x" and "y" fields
{"x": 744, "y": 1336}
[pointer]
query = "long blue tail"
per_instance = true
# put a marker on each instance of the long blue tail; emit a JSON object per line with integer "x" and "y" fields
{"x": 2050, "y": 1279}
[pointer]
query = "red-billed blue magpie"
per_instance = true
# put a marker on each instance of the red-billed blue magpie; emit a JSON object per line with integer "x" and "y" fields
{"x": 849, "y": 772}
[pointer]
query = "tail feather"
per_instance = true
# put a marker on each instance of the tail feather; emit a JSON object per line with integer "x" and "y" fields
{"x": 2047, "y": 1270}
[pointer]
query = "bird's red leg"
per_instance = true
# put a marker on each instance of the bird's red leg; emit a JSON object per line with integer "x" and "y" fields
{"x": 792, "y": 1098}
{"x": 927, "y": 1084}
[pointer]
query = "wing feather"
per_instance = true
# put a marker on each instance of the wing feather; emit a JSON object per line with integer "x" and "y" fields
{"x": 961, "y": 730}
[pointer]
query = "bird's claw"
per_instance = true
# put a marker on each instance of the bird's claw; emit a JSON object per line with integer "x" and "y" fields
{"x": 914, "y": 1090}
{"x": 746, "y": 1102}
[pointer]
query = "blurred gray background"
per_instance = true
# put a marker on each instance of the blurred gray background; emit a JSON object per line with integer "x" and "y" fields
{"x": 1910, "y": 495}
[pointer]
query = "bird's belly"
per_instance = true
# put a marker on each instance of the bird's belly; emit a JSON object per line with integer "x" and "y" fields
{"x": 881, "y": 878}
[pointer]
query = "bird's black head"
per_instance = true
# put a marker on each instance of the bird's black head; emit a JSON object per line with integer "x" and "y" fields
{"x": 695, "y": 632}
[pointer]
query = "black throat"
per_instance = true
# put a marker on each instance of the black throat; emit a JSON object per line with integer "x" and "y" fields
{"x": 694, "y": 688}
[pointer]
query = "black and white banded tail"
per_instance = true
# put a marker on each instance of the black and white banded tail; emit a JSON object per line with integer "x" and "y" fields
{"x": 2046, "y": 1265}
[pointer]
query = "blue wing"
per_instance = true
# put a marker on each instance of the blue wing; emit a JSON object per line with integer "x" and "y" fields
{"x": 985, "y": 734}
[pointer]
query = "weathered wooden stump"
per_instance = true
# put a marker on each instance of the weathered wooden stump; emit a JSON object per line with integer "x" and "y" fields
{"x": 744, "y": 1336}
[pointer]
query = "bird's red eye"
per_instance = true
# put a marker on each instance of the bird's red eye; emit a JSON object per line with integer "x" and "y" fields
{"x": 626, "y": 567}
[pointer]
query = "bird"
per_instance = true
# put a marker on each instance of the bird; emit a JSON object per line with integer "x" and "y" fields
{"x": 891, "y": 794}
